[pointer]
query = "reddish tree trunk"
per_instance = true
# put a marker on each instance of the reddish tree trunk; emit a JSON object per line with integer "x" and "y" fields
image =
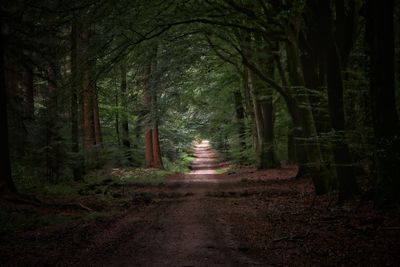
{"x": 157, "y": 160}
{"x": 148, "y": 143}
{"x": 87, "y": 114}
{"x": 152, "y": 146}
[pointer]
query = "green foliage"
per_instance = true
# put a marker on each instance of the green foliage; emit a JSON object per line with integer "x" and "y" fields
{"x": 180, "y": 165}
{"x": 124, "y": 176}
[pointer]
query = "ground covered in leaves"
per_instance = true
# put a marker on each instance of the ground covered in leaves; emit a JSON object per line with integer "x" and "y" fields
{"x": 239, "y": 218}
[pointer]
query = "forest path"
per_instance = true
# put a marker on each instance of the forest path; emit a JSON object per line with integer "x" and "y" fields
{"x": 241, "y": 218}
{"x": 183, "y": 232}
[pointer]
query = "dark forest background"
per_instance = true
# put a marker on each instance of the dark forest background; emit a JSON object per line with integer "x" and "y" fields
{"x": 91, "y": 85}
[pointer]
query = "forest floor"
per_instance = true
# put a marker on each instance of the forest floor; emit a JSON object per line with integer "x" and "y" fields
{"x": 208, "y": 217}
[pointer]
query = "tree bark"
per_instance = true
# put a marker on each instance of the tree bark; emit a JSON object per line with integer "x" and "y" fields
{"x": 248, "y": 83}
{"x": 90, "y": 112}
{"x": 148, "y": 143}
{"x": 239, "y": 111}
{"x": 117, "y": 120}
{"x": 344, "y": 165}
{"x": 87, "y": 113}
{"x": 53, "y": 150}
{"x": 28, "y": 88}
{"x": 157, "y": 160}
{"x": 307, "y": 130}
{"x": 380, "y": 41}
{"x": 124, "y": 115}
{"x": 152, "y": 146}
{"x": 96, "y": 118}
{"x": 77, "y": 164}
{"x": 148, "y": 136}
{"x": 6, "y": 182}
{"x": 154, "y": 116}
{"x": 261, "y": 98}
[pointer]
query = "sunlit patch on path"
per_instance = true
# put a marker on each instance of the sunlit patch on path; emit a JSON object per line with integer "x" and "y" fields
{"x": 205, "y": 166}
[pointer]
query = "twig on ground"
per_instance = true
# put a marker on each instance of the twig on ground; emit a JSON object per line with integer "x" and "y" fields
{"x": 291, "y": 237}
{"x": 78, "y": 205}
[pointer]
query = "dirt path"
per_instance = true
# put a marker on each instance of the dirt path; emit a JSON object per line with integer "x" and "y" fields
{"x": 183, "y": 232}
{"x": 245, "y": 217}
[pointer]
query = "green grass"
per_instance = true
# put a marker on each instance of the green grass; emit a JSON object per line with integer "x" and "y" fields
{"x": 60, "y": 190}
{"x": 143, "y": 177}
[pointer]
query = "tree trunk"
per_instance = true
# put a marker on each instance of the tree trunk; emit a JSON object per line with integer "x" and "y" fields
{"x": 291, "y": 148}
{"x": 96, "y": 118}
{"x": 90, "y": 116}
{"x": 240, "y": 122}
{"x": 296, "y": 145}
{"x": 148, "y": 143}
{"x": 148, "y": 128}
{"x": 6, "y": 182}
{"x": 87, "y": 113}
{"x": 117, "y": 119}
{"x": 124, "y": 115}
{"x": 263, "y": 115}
{"x": 77, "y": 164}
{"x": 380, "y": 40}
{"x": 152, "y": 146}
{"x": 53, "y": 151}
{"x": 268, "y": 156}
{"x": 247, "y": 84}
{"x": 344, "y": 164}
{"x": 28, "y": 88}
{"x": 157, "y": 160}
{"x": 307, "y": 130}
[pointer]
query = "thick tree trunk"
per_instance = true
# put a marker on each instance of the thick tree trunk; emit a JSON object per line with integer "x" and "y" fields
{"x": 382, "y": 90}
{"x": 296, "y": 145}
{"x": 248, "y": 83}
{"x": 90, "y": 111}
{"x": 291, "y": 148}
{"x": 268, "y": 156}
{"x": 152, "y": 146}
{"x": 87, "y": 113}
{"x": 6, "y": 182}
{"x": 148, "y": 143}
{"x": 154, "y": 115}
{"x": 346, "y": 25}
{"x": 263, "y": 115}
{"x": 314, "y": 80}
{"x": 307, "y": 130}
{"x": 344, "y": 165}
